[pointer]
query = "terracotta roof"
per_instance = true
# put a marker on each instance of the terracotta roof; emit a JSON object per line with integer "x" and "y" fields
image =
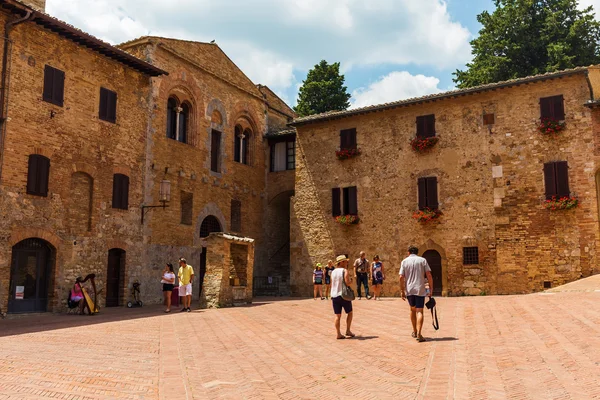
{"x": 434, "y": 97}
{"x": 275, "y": 133}
{"x": 80, "y": 37}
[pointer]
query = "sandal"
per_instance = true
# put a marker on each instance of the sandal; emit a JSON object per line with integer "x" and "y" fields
{"x": 414, "y": 335}
{"x": 341, "y": 337}
{"x": 351, "y": 335}
{"x": 420, "y": 339}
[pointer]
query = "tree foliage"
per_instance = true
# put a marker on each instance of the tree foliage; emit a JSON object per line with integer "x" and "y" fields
{"x": 529, "y": 37}
{"x": 323, "y": 90}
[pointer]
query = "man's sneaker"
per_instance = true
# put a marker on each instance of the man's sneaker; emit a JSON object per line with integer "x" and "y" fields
{"x": 369, "y": 297}
{"x": 183, "y": 309}
{"x": 189, "y": 310}
{"x": 359, "y": 297}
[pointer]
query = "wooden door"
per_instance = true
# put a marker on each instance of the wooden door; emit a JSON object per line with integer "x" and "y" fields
{"x": 435, "y": 263}
{"x": 114, "y": 274}
{"x": 30, "y": 277}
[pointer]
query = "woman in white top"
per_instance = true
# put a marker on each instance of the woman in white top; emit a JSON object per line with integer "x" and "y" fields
{"x": 338, "y": 276}
{"x": 168, "y": 280}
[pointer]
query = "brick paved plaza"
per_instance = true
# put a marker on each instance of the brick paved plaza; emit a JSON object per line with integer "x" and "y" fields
{"x": 540, "y": 346}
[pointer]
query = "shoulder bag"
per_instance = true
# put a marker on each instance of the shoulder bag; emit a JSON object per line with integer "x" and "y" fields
{"x": 431, "y": 306}
{"x": 347, "y": 292}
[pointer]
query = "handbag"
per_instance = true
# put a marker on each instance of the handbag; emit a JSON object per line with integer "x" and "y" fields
{"x": 347, "y": 292}
{"x": 434, "y": 319}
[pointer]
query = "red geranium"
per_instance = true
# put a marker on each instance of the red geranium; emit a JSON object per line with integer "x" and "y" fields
{"x": 421, "y": 145}
{"x": 344, "y": 154}
{"x": 426, "y": 214}
{"x": 549, "y": 126}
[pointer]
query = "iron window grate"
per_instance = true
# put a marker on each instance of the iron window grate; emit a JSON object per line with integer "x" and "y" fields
{"x": 470, "y": 255}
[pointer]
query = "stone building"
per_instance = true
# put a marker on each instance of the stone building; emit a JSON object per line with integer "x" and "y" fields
{"x": 73, "y": 127}
{"x": 489, "y": 172}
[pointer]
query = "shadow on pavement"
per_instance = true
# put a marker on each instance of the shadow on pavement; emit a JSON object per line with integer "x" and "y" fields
{"x": 441, "y": 339}
{"x": 365, "y": 337}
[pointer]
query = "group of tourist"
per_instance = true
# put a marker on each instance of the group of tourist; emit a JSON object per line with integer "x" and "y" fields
{"x": 362, "y": 272}
{"x": 185, "y": 275}
{"x": 413, "y": 271}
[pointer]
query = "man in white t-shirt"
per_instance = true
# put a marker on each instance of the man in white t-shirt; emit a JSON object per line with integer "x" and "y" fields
{"x": 412, "y": 283}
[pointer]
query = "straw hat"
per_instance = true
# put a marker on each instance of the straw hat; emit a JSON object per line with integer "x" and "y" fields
{"x": 341, "y": 258}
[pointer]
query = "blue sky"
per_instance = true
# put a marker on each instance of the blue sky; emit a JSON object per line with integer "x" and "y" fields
{"x": 388, "y": 49}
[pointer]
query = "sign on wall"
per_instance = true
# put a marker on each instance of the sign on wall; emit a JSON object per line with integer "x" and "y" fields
{"x": 19, "y": 292}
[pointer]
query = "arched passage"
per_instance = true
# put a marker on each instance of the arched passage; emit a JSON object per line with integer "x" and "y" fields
{"x": 210, "y": 224}
{"x": 31, "y": 277}
{"x": 115, "y": 277}
{"x": 434, "y": 259}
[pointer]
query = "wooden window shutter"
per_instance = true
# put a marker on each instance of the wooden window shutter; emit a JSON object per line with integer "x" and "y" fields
{"x": 48, "y": 83}
{"x": 430, "y": 125}
{"x": 352, "y": 138}
{"x": 559, "y": 108}
{"x": 343, "y": 140}
{"x": 44, "y": 175}
{"x": 38, "y": 173}
{"x": 32, "y": 174}
{"x": 422, "y": 187}
{"x": 352, "y": 201}
{"x": 112, "y": 106}
{"x": 432, "y": 195}
{"x": 124, "y": 192}
{"x": 550, "y": 180}
{"x": 421, "y": 127}
{"x": 562, "y": 179}
{"x": 116, "y": 198}
{"x": 546, "y": 107}
{"x": 336, "y": 208}
{"x": 58, "y": 87}
{"x": 103, "y": 111}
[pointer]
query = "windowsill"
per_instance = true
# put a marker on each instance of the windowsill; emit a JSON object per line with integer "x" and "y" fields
{"x": 54, "y": 104}
{"x": 239, "y": 163}
{"x": 113, "y": 123}
{"x": 120, "y": 209}
{"x": 216, "y": 174}
{"x": 285, "y": 170}
{"x": 177, "y": 141}
{"x": 37, "y": 196}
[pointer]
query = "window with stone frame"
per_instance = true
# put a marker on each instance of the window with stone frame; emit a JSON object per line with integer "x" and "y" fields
{"x": 236, "y": 216}
{"x": 348, "y": 139}
{"x": 187, "y": 207}
{"x": 38, "y": 173}
{"x": 470, "y": 255}
{"x": 344, "y": 201}
{"x": 426, "y": 126}
{"x": 215, "y": 151}
{"x": 241, "y": 146}
{"x": 54, "y": 86}
{"x": 108, "y": 105}
{"x": 178, "y": 120}
{"x": 552, "y": 108}
{"x": 556, "y": 179}
{"x": 428, "y": 193}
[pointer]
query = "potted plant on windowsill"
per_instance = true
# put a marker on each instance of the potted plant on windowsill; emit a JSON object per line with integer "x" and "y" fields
{"x": 347, "y": 219}
{"x": 344, "y": 154}
{"x": 561, "y": 203}
{"x": 421, "y": 145}
{"x": 550, "y": 126}
{"x": 426, "y": 215}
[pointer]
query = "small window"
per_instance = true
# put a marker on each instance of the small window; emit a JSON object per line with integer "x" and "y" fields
{"x": 236, "y": 215}
{"x": 108, "y": 105}
{"x": 428, "y": 196}
{"x": 470, "y": 255}
{"x": 547, "y": 284}
{"x": 241, "y": 145}
{"x": 489, "y": 119}
{"x": 283, "y": 156}
{"x": 350, "y": 201}
{"x": 552, "y": 108}
{"x": 556, "y": 179}
{"x": 348, "y": 138}
{"x": 291, "y": 155}
{"x": 336, "y": 205}
{"x": 426, "y": 126}
{"x": 54, "y": 86}
{"x": 38, "y": 173}
{"x": 215, "y": 151}
{"x": 172, "y": 118}
{"x": 120, "y": 197}
{"x": 187, "y": 208}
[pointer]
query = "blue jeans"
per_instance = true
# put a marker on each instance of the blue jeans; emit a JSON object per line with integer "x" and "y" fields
{"x": 362, "y": 279}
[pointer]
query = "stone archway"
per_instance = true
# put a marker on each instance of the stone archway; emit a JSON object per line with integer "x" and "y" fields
{"x": 430, "y": 245}
{"x": 31, "y": 277}
{"x": 434, "y": 259}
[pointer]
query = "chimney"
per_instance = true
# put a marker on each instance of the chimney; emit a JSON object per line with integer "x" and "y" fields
{"x": 39, "y": 5}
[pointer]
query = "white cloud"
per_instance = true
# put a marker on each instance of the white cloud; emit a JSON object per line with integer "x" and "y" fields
{"x": 595, "y": 3}
{"x": 397, "y": 85}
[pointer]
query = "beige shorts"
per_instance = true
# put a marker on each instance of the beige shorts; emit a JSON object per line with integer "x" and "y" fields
{"x": 185, "y": 290}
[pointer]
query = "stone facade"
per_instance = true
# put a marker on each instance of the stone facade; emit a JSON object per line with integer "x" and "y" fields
{"x": 490, "y": 183}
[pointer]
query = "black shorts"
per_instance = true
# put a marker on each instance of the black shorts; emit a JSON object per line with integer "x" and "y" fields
{"x": 416, "y": 301}
{"x": 339, "y": 303}
{"x": 318, "y": 282}
{"x": 377, "y": 282}
{"x": 327, "y": 280}
{"x": 167, "y": 287}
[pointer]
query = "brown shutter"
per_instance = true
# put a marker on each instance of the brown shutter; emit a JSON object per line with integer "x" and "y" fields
{"x": 103, "y": 110}
{"x": 112, "y": 106}
{"x": 421, "y": 127}
{"x": 422, "y": 187}
{"x": 559, "y": 108}
{"x": 58, "y": 88}
{"x": 430, "y": 125}
{"x": 352, "y": 201}
{"x": 352, "y": 138}
{"x": 343, "y": 139}
{"x": 335, "y": 202}
{"x": 562, "y": 179}
{"x": 124, "y": 192}
{"x": 48, "y": 83}
{"x": 116, "y": 197}
{"x": 550, "y": 180}
{"x": 432, "y": 195}
{"x": 546, "y": 107}
{"x": 32, "y": 174}
{"x": 44, "y": 175}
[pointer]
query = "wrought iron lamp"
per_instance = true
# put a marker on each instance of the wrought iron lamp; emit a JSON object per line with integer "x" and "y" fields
{"x": 164, "y": 194}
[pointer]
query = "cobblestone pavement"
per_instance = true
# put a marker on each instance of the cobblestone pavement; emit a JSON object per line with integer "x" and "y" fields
{"x": 541, "y": 346}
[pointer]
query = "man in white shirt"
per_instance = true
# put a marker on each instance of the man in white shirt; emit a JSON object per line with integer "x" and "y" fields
{"x": 412, "y": 283}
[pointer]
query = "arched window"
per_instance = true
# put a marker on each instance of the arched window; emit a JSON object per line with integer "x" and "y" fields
{"x": 242, "y": 141}
{"x": 178, "y": 116}
{"x": 209, "y": 225}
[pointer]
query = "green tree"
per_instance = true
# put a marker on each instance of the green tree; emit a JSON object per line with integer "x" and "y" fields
{"x": 529, "y": 37}
{"x": 322, "y": 90}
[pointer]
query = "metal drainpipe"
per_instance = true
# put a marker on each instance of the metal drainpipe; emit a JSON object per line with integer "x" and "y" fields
{"x": 587, "y": 77}
{"x": 5, "y": 80}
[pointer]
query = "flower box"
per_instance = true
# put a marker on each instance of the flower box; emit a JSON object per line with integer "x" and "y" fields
{"x": 426, "y": 215}
{"x": 347, "y": 219}
{"x": 344, "y": 154}
{"x": 421, "y": 145}
{"x": 549, "y": 126}
{"x": 562, "y": 203}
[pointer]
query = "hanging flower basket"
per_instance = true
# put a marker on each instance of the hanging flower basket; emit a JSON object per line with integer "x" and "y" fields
{"x": 344, "y": 154}
{"x": 421, "y": 145}
{"x": 550, "y": 126}
{"x": 426, "y": 215}
{"x": 563, "y": 203}
{"x": 347, "y": 219}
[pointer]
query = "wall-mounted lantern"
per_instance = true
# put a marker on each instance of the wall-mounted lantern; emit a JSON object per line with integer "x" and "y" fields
{"x": 164, "y": 194}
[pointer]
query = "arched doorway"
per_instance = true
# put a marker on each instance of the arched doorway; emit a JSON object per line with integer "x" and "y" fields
{"x": 434, "y": 259}
{"x": 31, "y": 276}
{"x": 115, "y": 274}
{"x": 209, "y": 225}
